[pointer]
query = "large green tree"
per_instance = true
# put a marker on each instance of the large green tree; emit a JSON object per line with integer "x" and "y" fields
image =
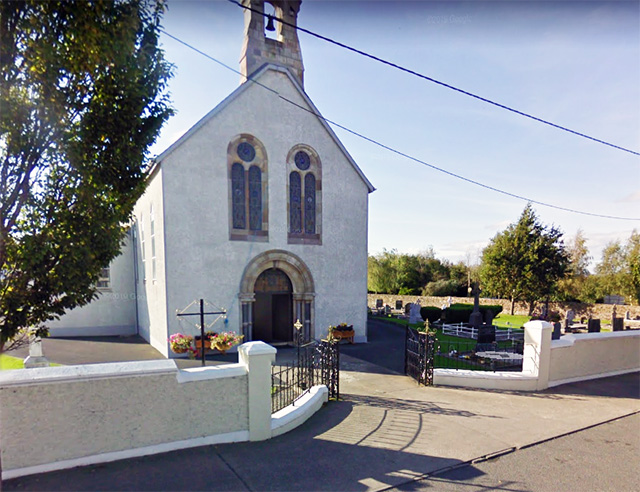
{"x": 83, "y": 96}
{"x": 524, "y": 262}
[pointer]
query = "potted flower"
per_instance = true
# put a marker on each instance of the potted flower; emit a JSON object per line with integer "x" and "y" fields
{"x": 207, "y": 340}
{"x": 180, "y": 343}
{"x": 225, "y": 340}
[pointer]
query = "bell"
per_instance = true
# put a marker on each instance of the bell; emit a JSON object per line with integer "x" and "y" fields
{"x": 270, "y": 26}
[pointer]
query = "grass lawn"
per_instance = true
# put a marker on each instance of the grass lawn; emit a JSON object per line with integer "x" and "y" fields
{"x": 440, "y": 336}
{"x": 8, "y": 362}
{"x": 510, "y": 320}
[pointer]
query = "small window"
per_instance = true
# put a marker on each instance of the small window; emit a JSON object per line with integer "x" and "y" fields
{"x": 104, "y": 280}
{"x": 152, "y": 231}
{"x": 142, "y": 248}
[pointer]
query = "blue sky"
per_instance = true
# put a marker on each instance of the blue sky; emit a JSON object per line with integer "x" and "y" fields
{"x": 574, "y": 63}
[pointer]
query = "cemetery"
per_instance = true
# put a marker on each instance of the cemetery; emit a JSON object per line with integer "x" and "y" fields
{"x": 465, "y": 348}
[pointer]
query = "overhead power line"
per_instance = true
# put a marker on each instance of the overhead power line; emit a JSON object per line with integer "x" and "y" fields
{"x": 435, "y": 81}
{"x": 391, "y": 149}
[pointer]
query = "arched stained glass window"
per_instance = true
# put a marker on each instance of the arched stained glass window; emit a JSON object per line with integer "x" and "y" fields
{"x": 238, "y": 196}
{"x": 295, "y": 203}
{"x": 247, "y": 173}
{"x": 309, "y": 204}
{"x": 305, "y": 195}
{"x": 255, "y": 198}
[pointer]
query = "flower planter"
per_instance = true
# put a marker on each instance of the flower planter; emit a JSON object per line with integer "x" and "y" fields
{"x": 198, "y": 344}
{"x": 344, "y": 334}
{"x": 222, "y": 347}
{"x": 179, "y": 350}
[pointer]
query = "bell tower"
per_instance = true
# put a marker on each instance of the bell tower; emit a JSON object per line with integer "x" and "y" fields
{"x": 258, "y": 49}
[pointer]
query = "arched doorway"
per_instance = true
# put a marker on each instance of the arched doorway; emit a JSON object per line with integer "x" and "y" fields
{"x": 276, "y": 290}
{"x": 273, "y": 307}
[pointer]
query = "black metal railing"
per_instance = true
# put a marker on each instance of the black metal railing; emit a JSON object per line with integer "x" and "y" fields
{"x": 479, "y": 356}
{"x": 317, "y": 362}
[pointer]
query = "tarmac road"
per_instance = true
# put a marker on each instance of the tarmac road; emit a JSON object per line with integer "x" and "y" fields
{"x": 602, "y": 458}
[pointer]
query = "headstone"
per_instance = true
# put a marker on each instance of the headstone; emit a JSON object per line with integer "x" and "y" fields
{"x": 556, "y": 331}
{"x": 36, "y": 358}
{"x": 475, "y": 320}
{"x": 379, "y": 303}
{"x": 486, "y": 334}
{"x": 617, "y": 324}
{"x": 387, "y": 309}
{"x": 488, "y": 317}
{"x": 593, "y": 326}
{"x": 398, "y": 304}
{"x": 407, "y": 308}
{"x": 545, "y": 311}
{"x": 627, "y": 315}
{"x": 569, "y": 317}
{"x": 414, "y": 315}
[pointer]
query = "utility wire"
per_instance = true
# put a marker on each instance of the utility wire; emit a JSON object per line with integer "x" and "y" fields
{"x": 391, "y": 149}
{"x": 435, "y": 81}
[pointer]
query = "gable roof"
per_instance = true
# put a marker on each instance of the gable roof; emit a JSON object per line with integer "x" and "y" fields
{"x": 239, "y": 91}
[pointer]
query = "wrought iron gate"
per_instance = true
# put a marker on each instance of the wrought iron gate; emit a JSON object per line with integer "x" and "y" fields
{"x": 318, "y": 362}
{"x": 418, "y": 356}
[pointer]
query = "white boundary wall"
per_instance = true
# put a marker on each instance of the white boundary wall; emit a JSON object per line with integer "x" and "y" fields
{"x": 550, "y": 363}
{"x": 61, "y": 417}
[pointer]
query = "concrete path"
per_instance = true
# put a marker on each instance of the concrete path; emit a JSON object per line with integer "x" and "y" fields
{"x": 385, "y": 432}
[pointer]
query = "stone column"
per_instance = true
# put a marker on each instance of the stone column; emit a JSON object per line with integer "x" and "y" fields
{"x": 36, "y": 357}
{"x": 537, "y": 351}
{"x": 258, "y": 357}
{"x": 246, "y": 315}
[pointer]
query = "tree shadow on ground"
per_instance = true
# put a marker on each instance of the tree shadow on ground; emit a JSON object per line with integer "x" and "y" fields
{"x": 311, "y": 457}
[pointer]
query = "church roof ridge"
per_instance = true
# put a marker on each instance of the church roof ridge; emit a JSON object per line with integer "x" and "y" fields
{"x": 157, "y": 161}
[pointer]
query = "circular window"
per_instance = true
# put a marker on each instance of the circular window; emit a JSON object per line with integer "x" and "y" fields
{"x": 246, "y": 152}
{"x": 302, "y": 160}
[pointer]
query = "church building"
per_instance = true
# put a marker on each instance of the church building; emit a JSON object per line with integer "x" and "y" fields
{"x": 258, "y": 209}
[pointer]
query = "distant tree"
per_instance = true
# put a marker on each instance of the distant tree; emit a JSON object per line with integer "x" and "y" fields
{"x": 573, "y": 287}
{"x": 611, "y": 270}
{"x": 524, "y": 262}
{"x": 391, "y": 272}
{"x": 618, "y": 272}
{"x": 82, "y": 97}
{"x": 382, "y": 273}
{"x": 632, "y": 257}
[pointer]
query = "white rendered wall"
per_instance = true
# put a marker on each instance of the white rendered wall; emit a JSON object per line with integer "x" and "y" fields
{"x": 109, "y": 408}
{"x": 113, "y": 312}
{"x": 152, "y": 294}
{"x": 585, "y": 356}
{"x": 549, "y": 363}
{"x": 203, "y": 263}
{"x": 106, "y": 412}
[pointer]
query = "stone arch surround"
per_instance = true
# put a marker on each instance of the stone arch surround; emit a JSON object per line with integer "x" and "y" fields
{"x": 301, "y": 282}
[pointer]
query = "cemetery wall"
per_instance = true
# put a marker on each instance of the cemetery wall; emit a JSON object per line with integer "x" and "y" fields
{"x": 548, "y": 363}
{"x": 600, "y": 311}
{"x": 583, "y": 356}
